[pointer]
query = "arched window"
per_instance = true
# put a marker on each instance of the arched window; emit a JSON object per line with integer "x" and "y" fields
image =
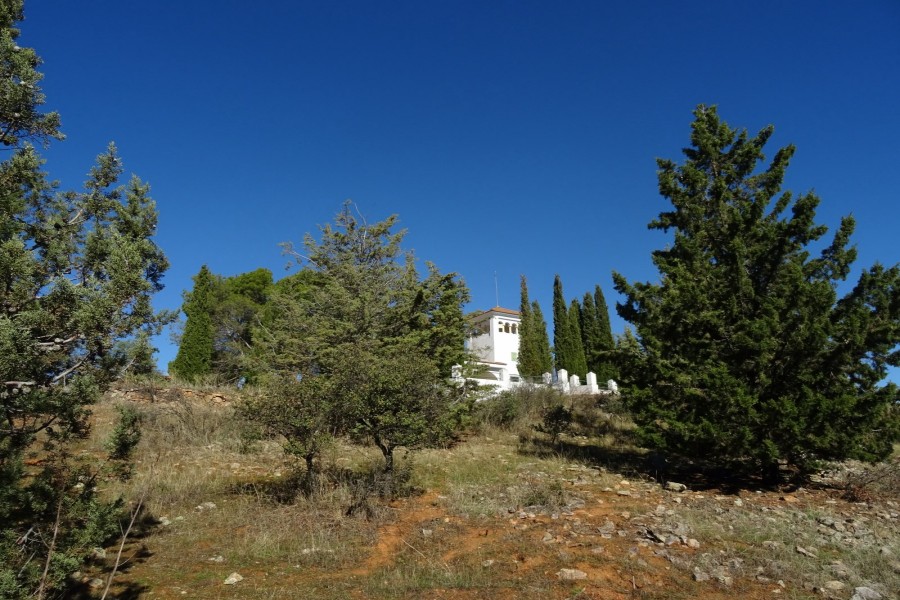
{"x": 514, "y": 328}
{"x": 506, "y": 328}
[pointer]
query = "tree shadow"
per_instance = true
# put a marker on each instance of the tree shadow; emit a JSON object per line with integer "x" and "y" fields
{"x": 633, "y": 461}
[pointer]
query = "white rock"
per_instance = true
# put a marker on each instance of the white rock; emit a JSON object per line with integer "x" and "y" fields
{"x": 571, "y": 574}
{"x": 865, "y": 593}
{"x": 233, "y": 579}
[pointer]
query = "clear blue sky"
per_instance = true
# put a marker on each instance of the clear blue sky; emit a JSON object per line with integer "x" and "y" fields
{"x": 510, "y": 137}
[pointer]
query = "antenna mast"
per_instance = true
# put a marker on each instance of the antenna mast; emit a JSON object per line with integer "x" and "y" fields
{"x": 496, "y": 289}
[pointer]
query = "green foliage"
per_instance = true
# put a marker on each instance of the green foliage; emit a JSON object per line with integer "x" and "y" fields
{"x": 234, "y": 311}
{"x": 577, "y": 362}
{"x": 195, "y": 352}
{"x": 544, "y": 360}
{"x": 527, "y": 362}
{"x": 374, "y": 339}
{"x": 534, "y": 345}
{"x": 745, "y": 353}
{"x": 596, "y": 335}
{"x": 300, "y": 411}
{"x": 77, "y": 271}
{"x": 567, "y": 345}
{"x": 555, "y": 421}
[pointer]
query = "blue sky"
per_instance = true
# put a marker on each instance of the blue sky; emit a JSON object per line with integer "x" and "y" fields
{"x": 510, "y": 137}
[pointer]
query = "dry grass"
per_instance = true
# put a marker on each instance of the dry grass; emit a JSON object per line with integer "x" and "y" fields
{"x": 498, "y": 516}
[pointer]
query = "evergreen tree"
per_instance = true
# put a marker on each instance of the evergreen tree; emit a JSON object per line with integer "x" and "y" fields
{"x": 195, "y": 352}
{"x": 235, "y": 306}
{"x": 747, "y": 355}
{"x": 370, "y": 340}
{"x": 596, "y": 335}
{"x": 77, "y": 272}
{"x": 561, "y": 355}
{"x": 578, "y": 364}
{"x": 567, "y": 345}
{"x": 544, "y": 360}
{"x": 528, "y": 359}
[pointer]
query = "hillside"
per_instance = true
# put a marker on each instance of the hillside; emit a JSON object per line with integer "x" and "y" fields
{"x": 502, "y": 514}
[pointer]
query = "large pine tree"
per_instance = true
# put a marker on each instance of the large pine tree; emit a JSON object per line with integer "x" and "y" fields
{"x": 748, "y": 355}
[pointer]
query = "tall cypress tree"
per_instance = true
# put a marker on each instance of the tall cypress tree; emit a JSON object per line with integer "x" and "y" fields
{"x": 577, "y": 364}
{"x": 195, "y": 352}
{"x": 560, "y": 326}
{"x": 590, "y": 332}
{"x": 605, "y": 366}
{"x": 544, "y": 360}
{"x": 528, "y": 360}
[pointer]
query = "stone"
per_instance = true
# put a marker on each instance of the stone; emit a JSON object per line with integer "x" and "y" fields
{"x": 571, "y": 574}
{"x": 427, "y": 533}
{"x": 805, "y": 552}
{"x": 548, "y": 537}
{"x": 675, "y": 487}
{"x": 216, "y": 559}
{"x": 865, "y": 593}
{"x": 233, "y": 579}
{"x": 692, "y": 543}
{"x": 487, "y": 563}
{"x": 700, "y": 575}
{"x": 205, "y": 506}
{"x": 834, "y": 585}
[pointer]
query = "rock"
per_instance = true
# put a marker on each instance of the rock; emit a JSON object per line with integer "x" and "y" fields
{"x": 98, "y": 554}
{"x": 571, "y": 574}
{"x": 96, "y": 583}
{"x": 216, "y": 559}
{"x": 548, "y": 537}
{"x": 834, "y": 585}
{"x": 865, "y": 593}
{"x": 700, "y": 575}
{"x": 164, "y": 521}
{"x": 487, "y": 563}
{"x": 623, "y": 493}
{"x": 427, "y": 533}
{"x": 233, "y": 579}
{"x": 675, "y": 487}
{"x": 805, "y": 552}
{"x": 692, "y": 543}
{"x": 205, "y": 506}
{"x": 598, "y": 550}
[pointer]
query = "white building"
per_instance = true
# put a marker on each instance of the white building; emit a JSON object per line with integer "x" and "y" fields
{"x": 496, "y": 344}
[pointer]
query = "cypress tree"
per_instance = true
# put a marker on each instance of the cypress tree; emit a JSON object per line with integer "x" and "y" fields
{"x": 528, "y": 358}
{"x": 195, "y": 352}
{"x": 560, "y": 326}
{"x": 590, "y": 332}
{"x": 605, "y": 366}
{"x": 578, "y": 364}
{"x": 544, "y": 360}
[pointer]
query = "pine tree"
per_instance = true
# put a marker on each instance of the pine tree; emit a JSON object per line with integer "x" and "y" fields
{"x": 747, "y": 355}
{"x": 544, "y": 360}
{"x": 195, "y": 352}
{"x": 528, "y": 359}
{"x": 78, "y": 270}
